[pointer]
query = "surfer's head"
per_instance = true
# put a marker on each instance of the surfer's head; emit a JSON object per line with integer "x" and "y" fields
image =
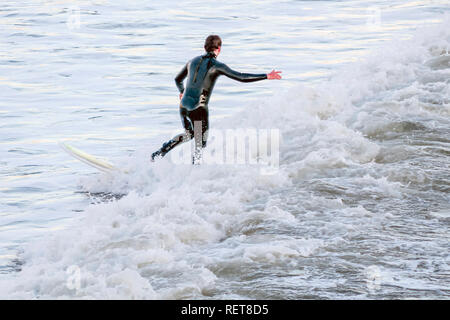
{"x": 213, "y": 43}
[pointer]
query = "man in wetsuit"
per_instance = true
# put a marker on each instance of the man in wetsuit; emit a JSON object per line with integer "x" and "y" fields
{"x": 202, "y": 73}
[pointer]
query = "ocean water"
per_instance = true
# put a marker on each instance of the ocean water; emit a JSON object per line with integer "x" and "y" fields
{"x": 358, "y": 207}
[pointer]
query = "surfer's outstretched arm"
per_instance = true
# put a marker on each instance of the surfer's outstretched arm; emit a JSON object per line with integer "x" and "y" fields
{"x": 239, "y": 76}
{"x": 245, "y": 77}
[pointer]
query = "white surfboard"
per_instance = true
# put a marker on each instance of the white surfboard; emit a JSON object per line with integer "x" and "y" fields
{"x": 99, "y": 164}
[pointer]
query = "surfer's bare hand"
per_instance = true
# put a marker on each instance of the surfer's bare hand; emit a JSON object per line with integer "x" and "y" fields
{"x": 181, "y": 96}
{"x": 274, "y": 75}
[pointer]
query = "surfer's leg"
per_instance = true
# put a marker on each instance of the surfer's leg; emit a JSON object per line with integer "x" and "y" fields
{"x": 205, "y": 128}
{"x": 199, "y": 117}
{"x": 172, "y": 143}
{"x": 178, "y": 139}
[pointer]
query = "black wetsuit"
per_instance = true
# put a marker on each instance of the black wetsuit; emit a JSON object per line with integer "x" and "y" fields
{"x": 202, "y": 73}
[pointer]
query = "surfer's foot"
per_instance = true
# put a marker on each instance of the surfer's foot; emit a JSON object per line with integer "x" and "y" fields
{"x": 197, "y": 157}
{"x": 160, "y": 153}
{"x": 154, "y": 155}
{"x": 166, "y": 147}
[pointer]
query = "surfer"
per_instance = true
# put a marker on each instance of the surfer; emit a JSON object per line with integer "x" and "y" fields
{"x": 202, "y": 73}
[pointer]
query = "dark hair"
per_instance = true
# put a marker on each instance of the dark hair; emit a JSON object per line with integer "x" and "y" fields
{"x": 212, "y": 42}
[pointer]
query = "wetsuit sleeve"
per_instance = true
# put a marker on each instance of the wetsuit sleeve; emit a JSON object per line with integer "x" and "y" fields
{"x": 180, "y": 77}
{"x": 239, "y": 76}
